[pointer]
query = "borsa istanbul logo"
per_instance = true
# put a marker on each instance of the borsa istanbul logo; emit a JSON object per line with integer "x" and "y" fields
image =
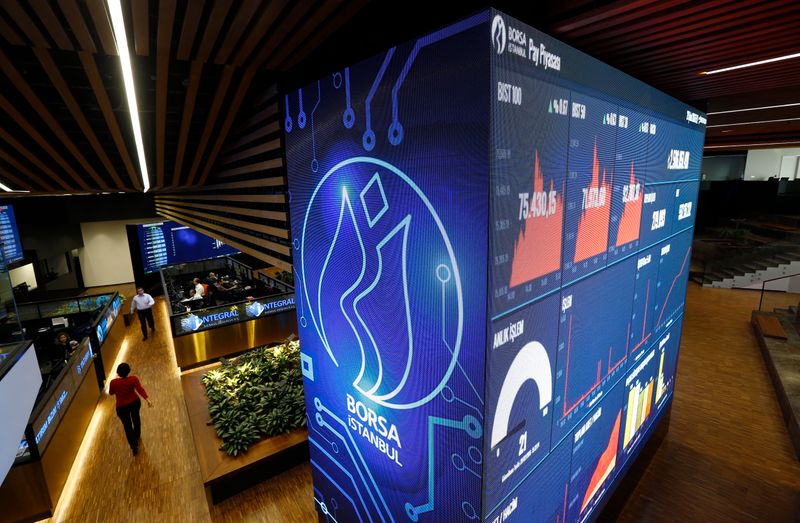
{"x": 516, "y": 42}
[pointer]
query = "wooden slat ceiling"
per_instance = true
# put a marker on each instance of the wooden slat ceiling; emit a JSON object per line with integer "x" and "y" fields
{"x": 65, "y": 125}
{"x": 65, "y": 122}
{"x": 667, "y": 43}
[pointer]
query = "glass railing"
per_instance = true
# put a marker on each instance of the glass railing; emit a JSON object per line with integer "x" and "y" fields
{"x": 242, "y": 271}
{"x": 275, "y": 283}
{"x": 63, "y": 307}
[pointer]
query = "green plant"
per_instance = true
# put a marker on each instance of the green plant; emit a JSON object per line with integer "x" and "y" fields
{"x": 256, "y": 395}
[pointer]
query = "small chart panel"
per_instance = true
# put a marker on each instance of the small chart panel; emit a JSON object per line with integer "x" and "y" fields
{"x": 685, "y": 205}
{"x": 528, "y": 190}
{"x": 644, "y": 299}
{"x": 667, "y": 354}
{"x": 520, "y": 396}
{"x": 595, "y": 460}
{"x": 658, "y": 213}
{"x": 637, "y": 406}
{"x": 673, "y": 276}
{"x": 592, "y": 342}
{"x": 590, "y": 176}
{"x": 630, "y": 165}
{"x": 542, "y": 496}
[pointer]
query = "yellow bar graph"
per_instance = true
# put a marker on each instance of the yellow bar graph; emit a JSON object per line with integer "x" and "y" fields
{"x": 631, "y": 414}
{"x": 660, "y": 387}
{"x": 639, "y": 399}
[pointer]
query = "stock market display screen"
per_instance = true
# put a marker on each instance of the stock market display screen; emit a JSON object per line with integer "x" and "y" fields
{"x": 166, "y": 243}
{"x": 491, "y": 236}
{"x": 9, "y": 235}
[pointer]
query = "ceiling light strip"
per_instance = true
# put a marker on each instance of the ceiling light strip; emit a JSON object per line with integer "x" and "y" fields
{"x": 752, "y": 123}
{"x": 749, "y": 145}
{"x": 5, "y": 187}
{"x": 118, "y": 23}
{"x": 753, "y": 109}
{"x": 751, "y": 64}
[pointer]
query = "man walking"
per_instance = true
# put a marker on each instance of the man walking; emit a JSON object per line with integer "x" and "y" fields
{"x": 143, "y": 303}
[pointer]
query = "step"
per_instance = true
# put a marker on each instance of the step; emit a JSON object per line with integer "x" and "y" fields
{"x": 715, "y": 276}
{"x": 785, "y": 258}
{"x": 773, "y": 262}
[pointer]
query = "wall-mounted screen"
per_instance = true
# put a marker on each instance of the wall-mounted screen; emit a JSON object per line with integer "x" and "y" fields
{"x": 18, "y": 388}
{"x": 166, "y": 243}
{"x": 9, "y": 235}
{"x": 491, "y": 238}
{"x": 106, "y": 321}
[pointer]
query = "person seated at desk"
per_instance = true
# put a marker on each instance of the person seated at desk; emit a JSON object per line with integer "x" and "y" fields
{"x": 198, "y": 287}
{"x": 64, "y": 345}
{"x": 194, "y": 301}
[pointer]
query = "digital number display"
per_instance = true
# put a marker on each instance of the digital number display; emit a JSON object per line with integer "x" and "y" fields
{"x": 490, "y": 296}
{"x": 9, "y": 235}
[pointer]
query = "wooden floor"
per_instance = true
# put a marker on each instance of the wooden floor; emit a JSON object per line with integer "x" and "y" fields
{"x": 726, "y": 458}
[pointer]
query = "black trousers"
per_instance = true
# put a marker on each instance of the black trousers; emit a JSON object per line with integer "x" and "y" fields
{"x": 129, "y": 415}
{"x": 146, "y": 314}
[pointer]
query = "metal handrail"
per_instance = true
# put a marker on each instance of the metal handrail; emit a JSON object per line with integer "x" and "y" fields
{"x": 763, "y": 283}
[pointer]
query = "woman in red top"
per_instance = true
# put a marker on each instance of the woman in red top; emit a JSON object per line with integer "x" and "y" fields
{"x": 125, "y": 388}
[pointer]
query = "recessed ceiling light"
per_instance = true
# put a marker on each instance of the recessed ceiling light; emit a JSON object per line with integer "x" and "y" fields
{"x": 753, "y": 123}
{"x": 118, "y": 23}
{"x": 753, "y": 109}
{"x": 751, "y": 64}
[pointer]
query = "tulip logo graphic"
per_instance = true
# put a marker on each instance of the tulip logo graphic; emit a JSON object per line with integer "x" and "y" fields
{"x": 382, "y": 283}
{"x": 499, "y": 34}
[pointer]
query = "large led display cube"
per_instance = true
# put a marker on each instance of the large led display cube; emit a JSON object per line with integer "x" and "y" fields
{"x": 491, "y": 234}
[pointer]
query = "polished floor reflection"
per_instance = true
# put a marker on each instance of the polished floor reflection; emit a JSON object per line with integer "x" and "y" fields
{"x": 727, "y": 456}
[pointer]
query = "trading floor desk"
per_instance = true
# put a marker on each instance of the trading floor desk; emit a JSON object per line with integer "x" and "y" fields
{"x": 51, "y": 440}
{"x": 207, "y": 333}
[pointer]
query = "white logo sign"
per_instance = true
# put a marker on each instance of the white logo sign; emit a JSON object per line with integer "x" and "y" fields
{"x": 499, "y": 34}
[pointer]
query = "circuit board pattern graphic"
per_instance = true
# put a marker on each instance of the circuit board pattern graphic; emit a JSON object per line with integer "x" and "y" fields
{"x": 392, "y": 335}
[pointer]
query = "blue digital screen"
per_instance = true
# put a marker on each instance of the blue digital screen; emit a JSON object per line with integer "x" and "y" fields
{"x": 107, "y": 320}
{"x": 166, "y": 243}
{"x": 490, "y": 283}
{"x": 388, "y": 181}
{"x": 9, "y": 235}
{"x": 620, "y": 230}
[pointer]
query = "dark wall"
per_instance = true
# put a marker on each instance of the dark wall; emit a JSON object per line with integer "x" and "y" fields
{"x": 722, "y": 200}
{"x": 81, "y": 208}
{"x": 724, "y": 167}
{"x": 51, "y": 224}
